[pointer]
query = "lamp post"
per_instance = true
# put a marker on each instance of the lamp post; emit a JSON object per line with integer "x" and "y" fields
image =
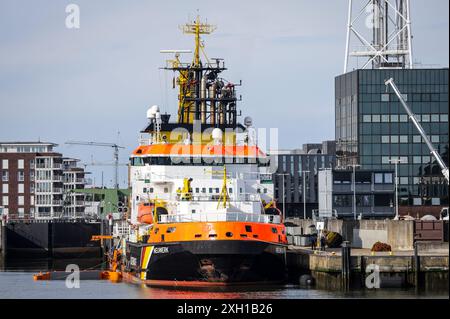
{"x": 396, "y": 161}
{"x": 304, "y": 193}
{"x": 284, "y": 209}
{"x": 354, "y": 188}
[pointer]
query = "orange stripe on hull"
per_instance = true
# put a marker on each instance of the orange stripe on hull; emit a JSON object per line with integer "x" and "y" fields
{"x": 192, "y": 231}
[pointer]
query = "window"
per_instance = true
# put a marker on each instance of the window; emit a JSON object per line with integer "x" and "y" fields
{"x": 444, "y": 117}
{"x": 417, "y": 139}
{"x": 21, "y": 212}
{"x": 21, "y": 200}
{"x": 367, "y": 118}
{"x": 425, "y": 118}
{"x": 417, "y": 159}
{"x": 197, "y": 190}
{"x": 403, "y": 138}
{"x": 417, "y": 201}
{"x": 5, "y": 201}
{"x": 385, "y": 160}
{"x": 378, "y": 178}
{"x": 20, "y": 188}
{"x": 20, "y": 176}
{"x": 434, "y": 117}
{"x": 265, "y": 190}
{"x": 403, "y": 180}
{"x": 385, "y": 139}
{"x": 388, "y": 178}
{"x": 5, "y": 189}
{"x": 20, "y": 164}
{"x": 385, "y": 97}
{"x": 5, "y": 164}
{"x": 403, "y": 118}
{"x": 166, "y": 190}
{"x": 394, "y": 118}
{"x": 5, "y": 176}
{"x": 435, "y": 201}
{"x": 230, "y": 191}
{"x": 203, "y": 190}
{"x": 425, "y": 159}
{"x": 435, "y": 138}
{"x": 217, "y": 190}
{"x": 375, "y": 118}
{"x": 394, "y": 139}
{"x": 31, "y": 188}
{"x": 384, "y": 118}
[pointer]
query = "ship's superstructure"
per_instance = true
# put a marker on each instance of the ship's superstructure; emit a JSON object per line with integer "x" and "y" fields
{"x": 199, "y": 208}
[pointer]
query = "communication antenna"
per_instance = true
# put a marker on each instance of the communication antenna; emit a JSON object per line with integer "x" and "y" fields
{"x": 388, "y": 23}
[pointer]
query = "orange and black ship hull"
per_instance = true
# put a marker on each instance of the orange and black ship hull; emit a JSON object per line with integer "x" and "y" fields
{"x": 208, "y": 261}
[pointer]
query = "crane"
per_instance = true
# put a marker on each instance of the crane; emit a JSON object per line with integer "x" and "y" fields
{"x": 116, "y": 155}
{"x": 419, "y": 127}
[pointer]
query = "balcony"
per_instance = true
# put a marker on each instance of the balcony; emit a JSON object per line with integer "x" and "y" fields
{"x": 57, "y": 178}
{"x": 58, "y": 190}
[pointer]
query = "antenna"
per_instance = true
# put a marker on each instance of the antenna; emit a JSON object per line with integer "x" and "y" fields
{"x": 389, "y": 25}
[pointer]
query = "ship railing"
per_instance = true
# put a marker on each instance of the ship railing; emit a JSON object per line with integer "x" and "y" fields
{"x": 219, "y": 217}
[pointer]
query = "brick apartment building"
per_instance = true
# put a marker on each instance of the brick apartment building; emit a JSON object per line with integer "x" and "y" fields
{"x": 33, "y": 181}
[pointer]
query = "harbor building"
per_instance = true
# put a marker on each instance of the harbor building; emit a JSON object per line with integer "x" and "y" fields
{"x": 368, "y": 194}
{"x": 374, "y": 131}
{"x": 74, "y": 178}
{"x": 296, "y": 178}
{"x": 34, "y": 181}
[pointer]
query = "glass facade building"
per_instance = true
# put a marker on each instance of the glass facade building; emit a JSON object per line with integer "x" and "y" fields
{"x": 372, "y": 128}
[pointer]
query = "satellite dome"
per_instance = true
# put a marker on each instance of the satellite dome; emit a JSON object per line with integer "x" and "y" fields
{"x": 248, "y": 121}
{"x": 152, "y": 111}
{"x": 217, "y": 134}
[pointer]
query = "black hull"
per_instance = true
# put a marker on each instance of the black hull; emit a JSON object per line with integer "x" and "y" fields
{"x": 52, "y": 239}
{"x": 215, "y": 261}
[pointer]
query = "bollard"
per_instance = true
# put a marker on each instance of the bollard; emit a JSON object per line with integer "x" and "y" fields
{"x": 345, "y": 269}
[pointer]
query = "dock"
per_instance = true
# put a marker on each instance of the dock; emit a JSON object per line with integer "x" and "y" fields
{"x": 412, "y": 262}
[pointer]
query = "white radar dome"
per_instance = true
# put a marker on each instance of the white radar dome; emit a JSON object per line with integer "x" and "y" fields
{"x": 152, "y": 111}
{"x": 217, "y": 134}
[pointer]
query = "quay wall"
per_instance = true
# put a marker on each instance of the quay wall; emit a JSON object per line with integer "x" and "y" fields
{"x": 364, "y": 233}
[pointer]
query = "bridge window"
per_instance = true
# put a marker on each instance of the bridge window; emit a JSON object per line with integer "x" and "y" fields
{"x": 248, "y": 228}
{"x": 229, "y": 234}
{"x": 274, "y": 230}
{"x": 171, "y": 230}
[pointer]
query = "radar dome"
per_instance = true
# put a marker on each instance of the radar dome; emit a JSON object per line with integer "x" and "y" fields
{"x": 216, "y": 134}
{"x": 248, "y": 121}
{"x": 152, "y": 111}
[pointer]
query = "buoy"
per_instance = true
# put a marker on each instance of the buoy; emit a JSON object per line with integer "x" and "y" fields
{"x": 115, "y": 276}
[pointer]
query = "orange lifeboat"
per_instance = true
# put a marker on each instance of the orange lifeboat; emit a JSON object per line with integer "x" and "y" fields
{"x": 145, "y": 213}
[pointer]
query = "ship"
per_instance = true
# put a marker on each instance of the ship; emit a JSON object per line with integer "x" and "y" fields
{"x": 202, "y": 208}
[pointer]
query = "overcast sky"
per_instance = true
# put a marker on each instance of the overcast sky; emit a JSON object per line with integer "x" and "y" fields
{"x": 58, "y": 84}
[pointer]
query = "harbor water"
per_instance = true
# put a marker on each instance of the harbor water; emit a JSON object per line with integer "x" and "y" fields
{"x": 16, "y": 282}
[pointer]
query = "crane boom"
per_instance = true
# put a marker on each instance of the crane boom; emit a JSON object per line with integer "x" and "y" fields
{"x": 419, "y": 127}
{"x": 116, "y": 155}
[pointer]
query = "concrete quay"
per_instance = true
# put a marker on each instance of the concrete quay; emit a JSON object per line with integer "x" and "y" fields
{"x": 426, "y": 270}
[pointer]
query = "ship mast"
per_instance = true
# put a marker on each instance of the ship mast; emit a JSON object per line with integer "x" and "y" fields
{"x": 203, "y": 95}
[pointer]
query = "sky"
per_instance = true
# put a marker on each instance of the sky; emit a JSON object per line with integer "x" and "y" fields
{"x": 95, "y": 83}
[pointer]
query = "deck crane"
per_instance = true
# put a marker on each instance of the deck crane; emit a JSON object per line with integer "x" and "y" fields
{"x": 411, "y": 115}
{"x": 116, "y": 155}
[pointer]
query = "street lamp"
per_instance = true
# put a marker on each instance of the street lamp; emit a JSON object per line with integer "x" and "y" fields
{"x": 284, "y": 209}
{"x": 396, "y": 161}
{"x": 354, "y": 188}
{"x": 304, "y": 193}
